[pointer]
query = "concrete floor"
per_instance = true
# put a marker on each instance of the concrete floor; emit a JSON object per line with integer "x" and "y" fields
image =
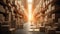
{"x": 25, "y": 30}
{"x": 22, "y": 31}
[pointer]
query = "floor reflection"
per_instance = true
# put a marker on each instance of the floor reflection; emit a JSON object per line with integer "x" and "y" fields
{"x": 22, "y": 31}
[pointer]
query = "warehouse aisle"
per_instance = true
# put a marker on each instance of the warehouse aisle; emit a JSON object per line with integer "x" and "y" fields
{"x": 22, "y": 31}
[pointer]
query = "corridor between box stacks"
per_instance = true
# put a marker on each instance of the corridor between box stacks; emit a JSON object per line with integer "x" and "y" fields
{"x": 29, "y": 16}
{"x": 26, "y": 30}
{"x": 22, "y": 31}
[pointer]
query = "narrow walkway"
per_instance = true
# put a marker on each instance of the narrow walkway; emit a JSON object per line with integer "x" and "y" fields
{"x": 25, "y": 30}
{"x": 22, "y": 31}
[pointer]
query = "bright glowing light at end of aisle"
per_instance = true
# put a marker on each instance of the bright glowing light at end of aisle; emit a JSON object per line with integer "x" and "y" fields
{"x": 29, "y": 10}
{"x": 29, "y": 1}
{"x": 29, "y": 13}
